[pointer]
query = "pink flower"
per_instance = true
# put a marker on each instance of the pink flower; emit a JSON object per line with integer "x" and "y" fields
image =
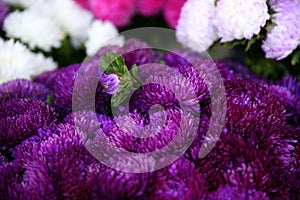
{"x": 172, "y": 11}
{"x": 119, "y": 12}
{"x": 150, "y": 7}
{"x": 82, "y": 3}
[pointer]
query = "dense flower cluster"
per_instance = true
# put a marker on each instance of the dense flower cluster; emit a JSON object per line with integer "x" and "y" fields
{"x": 45, "y": 148}
{"x": 201, "y": 23}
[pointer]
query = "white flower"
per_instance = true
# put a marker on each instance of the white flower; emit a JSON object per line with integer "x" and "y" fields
{"x": 72, "y": 18}
{"x": 101, "y": 34}
{"x": 16, "y": 61}
{"x": 284, "y": 34}
{"x": 238, "y": 19}
{"x": 34, "y": 29}
{"x": 195, "y": 29}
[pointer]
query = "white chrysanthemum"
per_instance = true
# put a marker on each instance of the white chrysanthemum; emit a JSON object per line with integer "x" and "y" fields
{"x": 101, "y": 34}
{"x": 195, "y": 29}
{"x": 72, "y": 18}
{"x": 284, "y": 35}
{"x": 16, "y": 61}
{"x": 34, "y": 29}
{"x": 238, "y": 19}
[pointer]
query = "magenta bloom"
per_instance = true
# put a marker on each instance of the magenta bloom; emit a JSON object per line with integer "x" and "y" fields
{"x": 172, "y": 11}
{"x": 82, "y": 3}
{"x": 150, "y": 7}
{"x": 119, "y": 12}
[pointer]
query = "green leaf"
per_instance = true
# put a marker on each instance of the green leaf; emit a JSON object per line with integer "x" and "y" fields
{"x": 296, "y": 57}
{"x": 250, "y": 42}
{"x": 49, "y": 99}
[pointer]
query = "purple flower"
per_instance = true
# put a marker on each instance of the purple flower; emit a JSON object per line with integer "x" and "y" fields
{"x": 48, "y": 78}
{"x": 108, "y": 183}
{"x": 21, "y": 119}
{"x": 55, "y": 166}
{"x": 4, "y": 9}
{"x": 65, "y": 95}
{"x": 251, "y": 107}
{"x": 110, "y": 83}
{"x": 237, "y": 193}
{"x": 254, "y": 160}
{"x": 21, "y": 88}
{"x": 180, "y": 180}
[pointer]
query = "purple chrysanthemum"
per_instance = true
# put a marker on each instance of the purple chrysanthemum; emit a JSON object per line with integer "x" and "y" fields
{"x": 108, "y": 183}
{"x": 65, "y": 95}
{"x": 254, "y": 160}
{"x": 21, "y": 119}
{"x": 251, "y": 106}
{"x": 236, "y": 193}
{"x": 179, "y": 180}
{"x": 4, "y": 9}
{"x": 21, "y": 88}
{"x": 55, "y": 166}
{"x": 48, "y": 78}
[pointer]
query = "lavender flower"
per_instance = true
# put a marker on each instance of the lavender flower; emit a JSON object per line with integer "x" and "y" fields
{"x": 4, "y": 9}
{"x": 21, "y": 119}
{"x": 21, "y": 88}
{"x": 284, "y": 33}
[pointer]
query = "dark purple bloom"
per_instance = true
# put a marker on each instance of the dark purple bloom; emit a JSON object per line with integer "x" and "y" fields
{"x": 4, "y": 9}
{"x": 251, "y": 107}
{"x": 180, "y": 180}
{"x": 21, "y": 119}
{"x": 254, "y": 160}
{"x": 237, "y": 193}
{"x": 23, "y": 89}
